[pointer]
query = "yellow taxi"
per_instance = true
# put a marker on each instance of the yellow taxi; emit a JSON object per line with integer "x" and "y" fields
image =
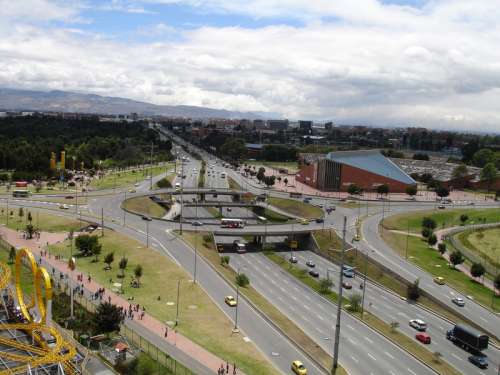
{"x": 230, "y": 301}
{"x": 439, "y": 280}
{"x": 298, "y": 368}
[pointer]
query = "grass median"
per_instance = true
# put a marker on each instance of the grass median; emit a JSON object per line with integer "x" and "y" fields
{"x": 484, "y": 242}
{"x": 391, "y": 333}
{"x": 296, "y": 208}
{"x": 127, "y": 178}
{"x": 41, "y": 220}
{"x": 144, "y": 206}
{"x": 199, "y": 318}
{"x": 207, "y": 250}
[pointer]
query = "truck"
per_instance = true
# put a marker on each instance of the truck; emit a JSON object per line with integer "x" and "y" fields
{"x": 239, "y": 247}
{"x": 468, "y": 338}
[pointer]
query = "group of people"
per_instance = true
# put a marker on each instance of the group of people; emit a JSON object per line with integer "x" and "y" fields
{"x": 224, "y": 370}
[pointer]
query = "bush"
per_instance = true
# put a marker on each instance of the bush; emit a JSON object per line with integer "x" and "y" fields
{"x": 442, "y": 247}
{"x": 426, "y": 232}
{"x": 456, "y": 258}
{"x": 325, "y": 285}
{"x": 432, "y": 239}
{"x": 413, "y": 291}
{"x": 477, "y": 270}
{"x": 164, "y": 183}
{"x": 355, "y": 302}
{"x": 242, "y": 280}
{"x": 463, "y": 218}
{"x": 224, "y": 260}
{"x": 428, "y": 222}
{"x": 496, "y": 282}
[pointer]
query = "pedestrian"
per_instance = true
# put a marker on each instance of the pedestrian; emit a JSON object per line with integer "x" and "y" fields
{"x": 234, "y": 368}
{"x": 166, "y": 331}
{"x": 227, "y": 367}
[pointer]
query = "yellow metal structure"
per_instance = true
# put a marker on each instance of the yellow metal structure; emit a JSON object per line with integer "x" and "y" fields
{"x": 40, "y": 352}
{"x": 63, "y": 160}
{"x": 52, "y": 160}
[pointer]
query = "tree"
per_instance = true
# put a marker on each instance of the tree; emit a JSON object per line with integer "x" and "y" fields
{"x": 477, "y": 270}
{"x": 285, "y": 180}
{"x": 456, "y": 258}
{"x": 463, "y": 218}
{"x": 269, "y": 180}
{"x": 234, "y": 149}
{"x": 123, "y": 265}
{"x": 483, "y": 157}
{"x": 12, "y": 254}
{"x": 85, "y": 244}
{"x": 325, "y": 285}
{"x": 413, "y": 291}
{"x": 353, "y": 189}
{"x": 426, "y": 232}
{"x": 29, "y": 231}
{"x": 383, "y": 189}
{"x": 442, "y": 248}
{"x": 224, "y": 260}
{"x": 432, "y": 239}
{"x": 261, "y": 174}
{"x": 108, "y": 259}
{"x": 30, "y": 218}
{"x": 489, "y": 174}
{"x": 242, "y": 280}
{"x": 164, "y": 183}
{"x": 96, "y": 250}
{"x": 107, "y": 318}
{"x": 355, "y": 302}
{"x": 428, "y": 222}
{"x": 442, "y": 192}
{"x": 138, "y": 273}
{"x": 20, "y": 213}
{"x": 460, "y": 171}
{"x": 411, "y": 190}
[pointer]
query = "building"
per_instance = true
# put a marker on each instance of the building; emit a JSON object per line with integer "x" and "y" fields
{"x": 259, "y": 124}
{"x": 366, "y": 169}
{"x": 277, "y": 124}
{"x": 254, "y": 149}
{"x": 305, "y": 126}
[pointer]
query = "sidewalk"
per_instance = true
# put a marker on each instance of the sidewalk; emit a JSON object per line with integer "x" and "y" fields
{"x": 150, "y": 326}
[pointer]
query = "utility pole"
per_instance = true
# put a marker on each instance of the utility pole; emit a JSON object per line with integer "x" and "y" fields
{"x": 339, "y": 304}
{"x": 364, "y": 286}
{"x": 102, "y": 222}
{"x": 182, "y": 198}
{"x": 8, "y": 213}
{"x": 124, "y": 212}
{"x": 151, "y": 169}
{"x": 147, "y": 233}
{"x": 177, "y": 307}
{"x": 407, "y": 238}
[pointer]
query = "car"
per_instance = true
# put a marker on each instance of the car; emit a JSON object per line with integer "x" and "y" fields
{"x": 479, "y": 361}
{"x": 418, "y": 324}
{"x": 320, "y": 220}
{"x": 441, "y": 206}
{"x": 314, "y": 273}
{"x": 137, "y": 184}
{"x": 230, "y": 301}
{"x": 147, "y": 218}
{"x": 293, "y": 259}
{"x": 298, "y": 368}
{"x": 304, "y": 221}
{"x": 459, "y": 301}
{"x": 310, "y": 263}
{"x": 197, "y": 223}
{"x": 424, "y": 338}
{"x": 131, "y": 191}
{"x": 346, "y": 285}
{"x": 64, "y": 207}
{"x": 69, "y": 197}
{"x": 229, "y": 209}
{"x": 439, "y": 280}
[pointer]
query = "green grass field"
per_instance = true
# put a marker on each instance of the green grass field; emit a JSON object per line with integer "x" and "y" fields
{"x": 291, "y": 166}
{"x": 204, "y": 323}
{"x": 432, "y": 262}
{"x": 296, "y": 208}
{"x": 127, "y": 178}
{"x": 144, "y": 206}
{"x": 486, "y": 242}
{"x": 45, "y": 222}
{"x": 444, "y": 218}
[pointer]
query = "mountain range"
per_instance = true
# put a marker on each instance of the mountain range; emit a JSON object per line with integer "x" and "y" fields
{"x": 65, "y": 101}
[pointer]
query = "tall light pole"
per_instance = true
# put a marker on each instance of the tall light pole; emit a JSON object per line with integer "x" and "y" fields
{"x": 147, "y": 233}
{"x": 182, "y": 198}
{"x": 177, "y": 304}
{"x": 151, "y": 169}
{"x": 407, "y": 238}
{"x": 364, "y": 286}
{"x": 236, "y": 329}
{"x": 339, "y": 304}
{"x": 124, "y": 212}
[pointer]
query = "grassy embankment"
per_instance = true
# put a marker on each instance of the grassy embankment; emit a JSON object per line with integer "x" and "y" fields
{"x": 127, "y": 178}
{"x": 296, "y": 208}
{"x": 485, "y": 242}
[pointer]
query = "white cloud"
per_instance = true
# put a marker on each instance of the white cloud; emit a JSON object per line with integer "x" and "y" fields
{"x": 386, "y": 65}
{"x": 37, "y": 10}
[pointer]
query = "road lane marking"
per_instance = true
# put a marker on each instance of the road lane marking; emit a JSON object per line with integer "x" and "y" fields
{"x": 411, "y": 372}
{"x": 354, "y": 359}
{"x": 367, "y": 339}
{"x": 389, "y": 355}
{"x": 456, "y": 357}
{"x": 372, "y": 357}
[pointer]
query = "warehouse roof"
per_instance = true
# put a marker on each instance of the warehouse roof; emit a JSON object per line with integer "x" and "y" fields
{"x": 372, "y": 161}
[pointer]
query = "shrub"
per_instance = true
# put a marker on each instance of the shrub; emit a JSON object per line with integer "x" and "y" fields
{"x": 355, "y": 302}
{"x": 442, "y": 247}
{"x": 432, "y": 239}
{"x": 413, "y": 291}
{"x": 325, "y": 285}
{"x": 477, "y": 270}
{"x": 496, "y": 282}
{"x": 428, "y": 222}
{"x": 463, "y": 218}
{"x": 426, "y": 232}
{"x": 242, "y": 280}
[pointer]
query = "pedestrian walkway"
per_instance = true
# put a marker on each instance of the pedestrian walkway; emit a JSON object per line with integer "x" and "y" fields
{"x": 148, "y": 325}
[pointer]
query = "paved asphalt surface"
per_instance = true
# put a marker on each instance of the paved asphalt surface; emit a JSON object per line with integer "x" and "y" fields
{"x": 362, "y": 351}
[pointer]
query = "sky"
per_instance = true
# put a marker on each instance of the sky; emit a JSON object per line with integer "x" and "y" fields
{"x": 429, "y": 63}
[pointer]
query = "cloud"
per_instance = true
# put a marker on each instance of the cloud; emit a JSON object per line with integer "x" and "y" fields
{"x": 38, "y": 10}
{"x": 385, "y": 65}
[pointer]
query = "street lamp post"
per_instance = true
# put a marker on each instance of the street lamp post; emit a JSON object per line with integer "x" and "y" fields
{"x": 236, "y": 329}
{"x": 177, "y": 303}
{"x": 124, "y": 212}
{"x": 339, "y": 304}
{"x": 364, "y": 286}
{"x": 147, "y": 233}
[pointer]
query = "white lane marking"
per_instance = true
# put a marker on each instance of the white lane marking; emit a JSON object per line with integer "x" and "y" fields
{"x": 372, "y": 357}
{"x": 411, "y": 372}
{"x": 354, "y": 359}
{"x": 367, "y": 339}
{"x": 350, "y": 327}
{"x": 320, "y": 317}
{"x": 456, "y": 357}
{"x": 389, "y": 355}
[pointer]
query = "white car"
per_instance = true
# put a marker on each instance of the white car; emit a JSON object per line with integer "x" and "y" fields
{"x": 418, "y": 324}
{"x": 458, "y": 301}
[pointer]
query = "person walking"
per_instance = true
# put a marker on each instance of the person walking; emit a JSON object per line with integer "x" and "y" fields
{"x": 166, "y": 331}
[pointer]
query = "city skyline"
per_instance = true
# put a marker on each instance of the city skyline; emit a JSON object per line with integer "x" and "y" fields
{"x": 407, "y": 63}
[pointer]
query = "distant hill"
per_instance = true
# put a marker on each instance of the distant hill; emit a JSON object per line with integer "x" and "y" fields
{"x": 64, "y": 101}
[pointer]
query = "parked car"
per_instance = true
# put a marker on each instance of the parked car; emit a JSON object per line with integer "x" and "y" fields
{"x": 293, "y": 259}
{"x": 310, "y": 263}
{"x": 423, "y": 338}
{"x": 479, "y": 361}
{"x": 441, "y": 206}
{"x": 314, "y": 273}
{"x": 418, "y": 324}
{"x": 459, "y": 301}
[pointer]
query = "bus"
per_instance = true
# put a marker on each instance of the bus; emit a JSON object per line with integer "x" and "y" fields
{"x": 232, "y": 223}
{"x": 21, "y": 193}
{"x": 295, "y": 195}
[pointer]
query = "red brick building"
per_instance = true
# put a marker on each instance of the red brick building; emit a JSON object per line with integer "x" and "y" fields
{"x": 366, "y": 169}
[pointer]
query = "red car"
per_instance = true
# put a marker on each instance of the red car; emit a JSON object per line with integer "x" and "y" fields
{"x": 423, "y": 338}
{"x": 346, "y": 285}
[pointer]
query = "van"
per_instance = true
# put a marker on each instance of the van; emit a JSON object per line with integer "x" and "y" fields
{"x": 177, "y": 186}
